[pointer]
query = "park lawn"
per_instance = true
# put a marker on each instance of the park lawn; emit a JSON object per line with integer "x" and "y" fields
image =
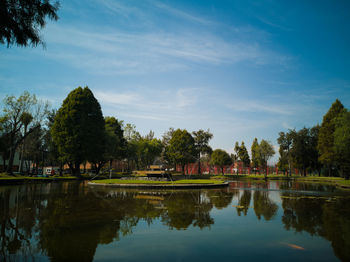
{"x": 134, "y": 181}
{"x": 7, "y": 177}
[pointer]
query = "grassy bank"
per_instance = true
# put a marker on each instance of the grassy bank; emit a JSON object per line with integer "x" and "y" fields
{"x": 17, "y": 179}
{"x": 149, "y": 182}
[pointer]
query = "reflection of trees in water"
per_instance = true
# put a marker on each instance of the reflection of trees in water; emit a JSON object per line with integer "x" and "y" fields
{"x": 263, "y": 205}
{"x": 69, "y": 220}
{"x": 328, "y": 218}
{"x": 187, "y": 208}
{"x": 244, "y": 202}
{"x": 17, "y": 220}
{"x": 222, "y": 198}
{"x": 317, "y": 187}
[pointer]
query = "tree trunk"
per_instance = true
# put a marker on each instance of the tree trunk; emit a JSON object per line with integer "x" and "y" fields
{"x": 77, "y": 169}
{"x": 4, "y": 164}
{"x": 199, "y": 167}
{"x": 61, "y": 167}
{"x": 10, "y": 163}
{"x": 183, "y": 169}
{"x": 110, "y": 168}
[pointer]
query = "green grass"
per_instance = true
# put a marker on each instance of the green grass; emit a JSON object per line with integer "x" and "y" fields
{"x": 7, "y": 177}
{"x": 134, "y": 181}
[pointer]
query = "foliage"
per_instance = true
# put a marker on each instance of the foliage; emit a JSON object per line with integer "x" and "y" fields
{"x": 242, "y": 154}
{"x": 285, "y": 141}
{"x": 221, "y": 158}
{"x": 165, "y": 141}
{"x": 21, "y": 116}
{"x": 79, "y": 129}
{"x": 201, "y": 139}
{"x": 255, "y": 153}
{"x": 21, "y": 20}
{"x": 147, "y": 150}
{"x": 266, "y": 151}
{"x": 304, "y": 148}
{"x": 116, "y": 144}
{"x": 342, "y": 143}
{"x": 182, "y": 149}
{"x": 325, "y": 145}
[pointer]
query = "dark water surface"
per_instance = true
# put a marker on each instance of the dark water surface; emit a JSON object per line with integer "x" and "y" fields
{"x": 274, "y": 221}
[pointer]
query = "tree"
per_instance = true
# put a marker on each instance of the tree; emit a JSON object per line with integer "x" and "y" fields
{"x": 166, "y": 141}
{"x": 300, "y": 150}
{"x": 21, "y": 20}
{"x": 182, "y": 149}
{"x": 242, "y": 154}
{"x": 201, "y": 139}
{"x": 285, "y": 142}
{"x": 220, "y": 158}
{"x": 266, "y": 151}
{"x": 255, "y": 154}
{"x": 79, "y": 130}
{"x": 147, "y": 150}
{"x": 342, "y": 143}
{"x": 315, "y": 164}
{"x": 21, "y": 117}
{"x": 116, "y": 145}
{"x": 325, "y": 144}
{"x": 131, "y": 136}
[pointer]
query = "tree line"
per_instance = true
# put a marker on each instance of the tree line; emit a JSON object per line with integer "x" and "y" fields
{"x": 322, "y": 148}
{"x": 78, "y": 133}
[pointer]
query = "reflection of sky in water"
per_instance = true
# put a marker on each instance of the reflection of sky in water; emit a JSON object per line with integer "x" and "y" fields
{"x": 246, "y": 223}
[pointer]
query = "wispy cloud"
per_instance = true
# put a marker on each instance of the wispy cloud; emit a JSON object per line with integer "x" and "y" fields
{"x": 151, "y": 104}
{"x": 258, "y": 106}
{"x": 181, "y": 14}
{"x": 114, "y": 52}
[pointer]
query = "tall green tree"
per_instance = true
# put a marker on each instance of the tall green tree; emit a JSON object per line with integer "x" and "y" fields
{"x": 79, "y": 130}
{"x": 202, "y": 139}
{"x": 147, "y": 150}
{"x": 220, "y": 158}
{"x": 116, "y": 144}
{"x": 255, "y": 154}
{"x": 21, "y": 20}
{"x": 300, "y": 150}
{"x": 266, "y": 151}
{"x": 166, "y": 142}
{"x": 325, "y": 145}
{"x": 182, "y": 149}
{"x": 132, "y": 137}
{"x": 315, "y": 163}
{"x": 242, "y": 154}
{"x": 285, "y": 142}
{"x": 342, "y": 143}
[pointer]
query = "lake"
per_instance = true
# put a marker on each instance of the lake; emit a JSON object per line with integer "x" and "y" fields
{"x": 247, "y": 221}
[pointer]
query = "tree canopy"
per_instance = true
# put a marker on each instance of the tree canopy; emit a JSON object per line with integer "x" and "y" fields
{"x": 21, "y": 20}
{"x": 242, "y": 154}
{"x": 201, "y": 139}
{"x": 342, "y": 143}
{"x": 79, "y": 129}
{"x": 220, "y": 158}
{"x": 21, "y": 116}
{"x": 326, "y": 135}
{"x": 182, "y": 149}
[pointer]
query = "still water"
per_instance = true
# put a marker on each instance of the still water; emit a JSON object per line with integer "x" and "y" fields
{"x": 274, "y": 221}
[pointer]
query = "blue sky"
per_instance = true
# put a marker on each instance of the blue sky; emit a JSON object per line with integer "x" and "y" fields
{"x": 243, "y": 69}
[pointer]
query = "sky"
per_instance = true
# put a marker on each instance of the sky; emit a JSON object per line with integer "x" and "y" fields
{"x": 242, "y": 69}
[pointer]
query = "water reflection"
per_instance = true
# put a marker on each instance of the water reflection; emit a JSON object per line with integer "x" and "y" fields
{"x": 67, "y": 221}
{"x": 325, "y": 216}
